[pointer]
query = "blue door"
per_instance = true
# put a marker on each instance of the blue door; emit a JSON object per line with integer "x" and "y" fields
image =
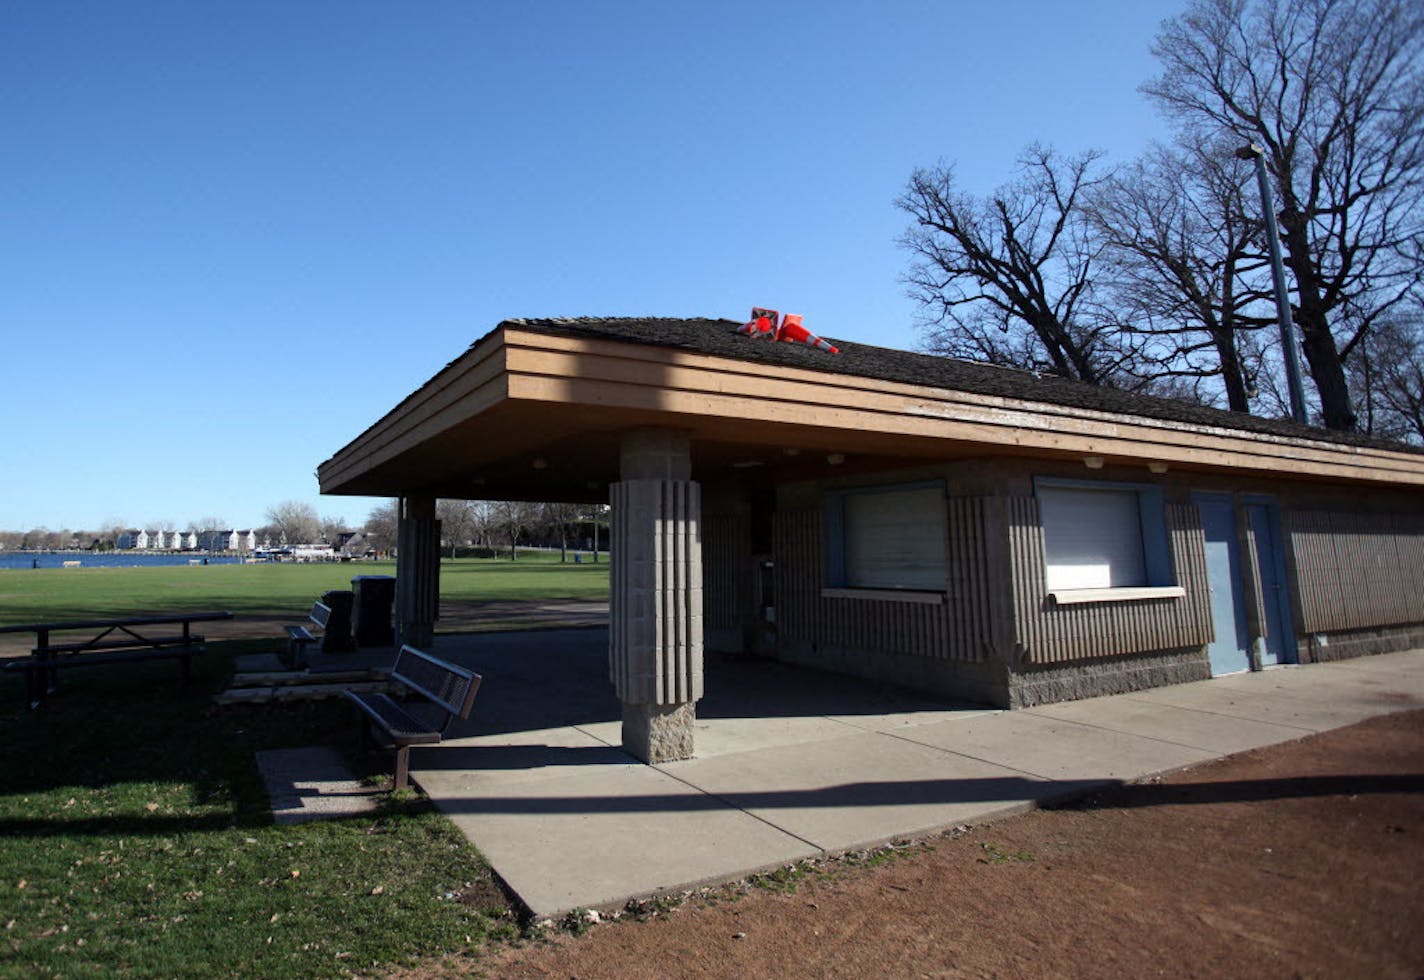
{"x": 1279, "y": 645}
{"x": 1228, "y": 652}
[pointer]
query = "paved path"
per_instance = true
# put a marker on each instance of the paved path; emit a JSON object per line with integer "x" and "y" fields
{"x": 793, "y": 764}
{"x": 313, "y": 783}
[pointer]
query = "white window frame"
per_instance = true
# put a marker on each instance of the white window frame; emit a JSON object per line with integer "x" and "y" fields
{"x": 843, "y": 581}
{"x": 1158, "y": 575}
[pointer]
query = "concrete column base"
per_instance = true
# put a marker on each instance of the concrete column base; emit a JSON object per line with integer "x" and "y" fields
{"x": 659, "y": 732}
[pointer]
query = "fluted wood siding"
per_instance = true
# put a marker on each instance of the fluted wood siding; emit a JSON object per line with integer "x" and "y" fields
{"x": 957, "y": 629}
{"x": 417, "y": 575}
{"x": 1049, "y": 633}
{"x": 726, "y": 584}
{"x": 1354, "y": 571}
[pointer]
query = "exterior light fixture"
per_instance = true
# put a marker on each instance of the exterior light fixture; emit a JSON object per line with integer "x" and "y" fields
{"x": 540, "y": 463}
{"x": 1158, "y": 468}
{"x": 835, "y": 459}
{"x": 1093, "y": 462}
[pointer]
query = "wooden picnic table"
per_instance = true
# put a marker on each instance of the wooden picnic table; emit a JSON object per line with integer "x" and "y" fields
{"x": 124, "y": 640}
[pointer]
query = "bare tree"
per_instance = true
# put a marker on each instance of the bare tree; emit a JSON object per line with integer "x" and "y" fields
{"x": 1389, "y": 374}
{"x": 332, "y": 528}
{"x": 1183, "y": 268}
{"x": 1009, "y": 278}
{"x": 457, "y": 522}
{"x": 296, "y": 522}
{"x": 1333, "y": 93}
{"x": 485, "y": 522}
{"x": 559, "y": 518}
{"x": 110, "y": 532}
{"x": 382, "y": 525}
{"x": 513, "y": 518}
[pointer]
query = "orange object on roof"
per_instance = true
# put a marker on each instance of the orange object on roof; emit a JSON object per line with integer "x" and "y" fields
{"x": 793, "y": 332}
{"x": 762, "y": 325}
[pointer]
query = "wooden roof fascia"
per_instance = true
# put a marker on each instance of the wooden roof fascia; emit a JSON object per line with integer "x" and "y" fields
{"x": 561, "y": 369}
{"x": 993, "y": 437}
{"x": 860, "y": 383}
{"x": 470, "y": 384}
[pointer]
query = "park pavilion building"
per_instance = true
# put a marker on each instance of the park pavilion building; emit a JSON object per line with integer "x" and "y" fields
{"x": 972, "y": 531}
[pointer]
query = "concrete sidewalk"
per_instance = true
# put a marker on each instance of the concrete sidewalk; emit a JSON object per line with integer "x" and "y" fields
{"x": 794, "y": 764}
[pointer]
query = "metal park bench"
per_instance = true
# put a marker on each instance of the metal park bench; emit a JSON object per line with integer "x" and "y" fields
{"x": 299, "y": 637}
{"x": 113, "y": 641}
{"x": 449, "y": 687}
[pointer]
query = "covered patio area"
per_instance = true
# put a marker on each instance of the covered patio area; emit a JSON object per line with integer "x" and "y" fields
{"x": 794, "y": 764}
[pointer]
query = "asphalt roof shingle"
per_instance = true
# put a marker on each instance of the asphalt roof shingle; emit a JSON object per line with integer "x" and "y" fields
{"x": 719, "y": 338}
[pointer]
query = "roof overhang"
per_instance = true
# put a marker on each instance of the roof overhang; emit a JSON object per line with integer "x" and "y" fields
{"x": 526, "y": 414}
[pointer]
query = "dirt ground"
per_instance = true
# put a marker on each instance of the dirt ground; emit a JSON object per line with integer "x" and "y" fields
{"x": 1299, "y": 860}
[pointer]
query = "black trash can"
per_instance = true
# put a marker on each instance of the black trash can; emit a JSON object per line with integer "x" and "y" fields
{"x": 336, "y": 638}
{"x": 375, "y": 597}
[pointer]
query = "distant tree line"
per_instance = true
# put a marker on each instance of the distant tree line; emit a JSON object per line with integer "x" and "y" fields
{"x": 499, "y": 526}
{"x": 1154, "y": 275}
{"x": 502, "y": 526}
{"x": 288, "y": 523}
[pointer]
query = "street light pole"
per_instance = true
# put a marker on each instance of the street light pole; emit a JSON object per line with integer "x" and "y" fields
{"x": 1278, "y": 273}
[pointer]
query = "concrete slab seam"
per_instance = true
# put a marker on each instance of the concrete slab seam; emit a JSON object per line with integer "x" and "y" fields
{"x": 729, "y": 803}
{"x": 584, "y": 731}
{"x": 966, "y": 755}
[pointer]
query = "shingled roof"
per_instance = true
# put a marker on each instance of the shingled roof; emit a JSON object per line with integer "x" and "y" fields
{"x": 719, "y": 338}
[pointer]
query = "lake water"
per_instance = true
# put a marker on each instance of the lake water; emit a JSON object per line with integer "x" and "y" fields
{"x": 123, "y": 559}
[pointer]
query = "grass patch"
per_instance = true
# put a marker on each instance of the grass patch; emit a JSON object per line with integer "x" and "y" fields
{"x": 52, "y": 594}
{"x": 993, "y": 854}
{"x": 138, "y": 841}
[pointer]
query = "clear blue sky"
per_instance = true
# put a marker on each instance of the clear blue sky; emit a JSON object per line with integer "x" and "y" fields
{"x": 233, "y": 235}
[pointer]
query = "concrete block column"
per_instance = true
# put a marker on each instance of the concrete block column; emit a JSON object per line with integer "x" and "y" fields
{"x": 655, "y": 636}
{"x": 417, "y": 571}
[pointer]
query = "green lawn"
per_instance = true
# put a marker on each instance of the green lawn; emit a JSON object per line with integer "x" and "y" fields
{"x": 135, "y": 833}
{"x": 46, "y": 595}
{"x": 135, "y": 840}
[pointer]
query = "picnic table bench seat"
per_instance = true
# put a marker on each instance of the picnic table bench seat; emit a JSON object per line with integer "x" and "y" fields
{"x": 157, "y": 642}
{"x": 104, "y": 656}
{"x": 448, "y": 687}
{"x": 113, "y": 641}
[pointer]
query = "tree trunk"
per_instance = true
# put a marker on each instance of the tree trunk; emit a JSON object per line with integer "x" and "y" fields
{"x": 1232, "y": 377}
{"x": 1328, "y": 373}
{"x": 1318, "y": 343}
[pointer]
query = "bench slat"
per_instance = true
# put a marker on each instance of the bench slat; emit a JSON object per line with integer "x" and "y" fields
{"x": 448, "y": 685}
{"x": 403, "y": 727}
{"x": 445, "y": 685}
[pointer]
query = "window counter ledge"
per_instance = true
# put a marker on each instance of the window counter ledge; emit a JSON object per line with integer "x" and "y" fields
{"x": 1067, "y": 597}
{"x": 887, "y": 595}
